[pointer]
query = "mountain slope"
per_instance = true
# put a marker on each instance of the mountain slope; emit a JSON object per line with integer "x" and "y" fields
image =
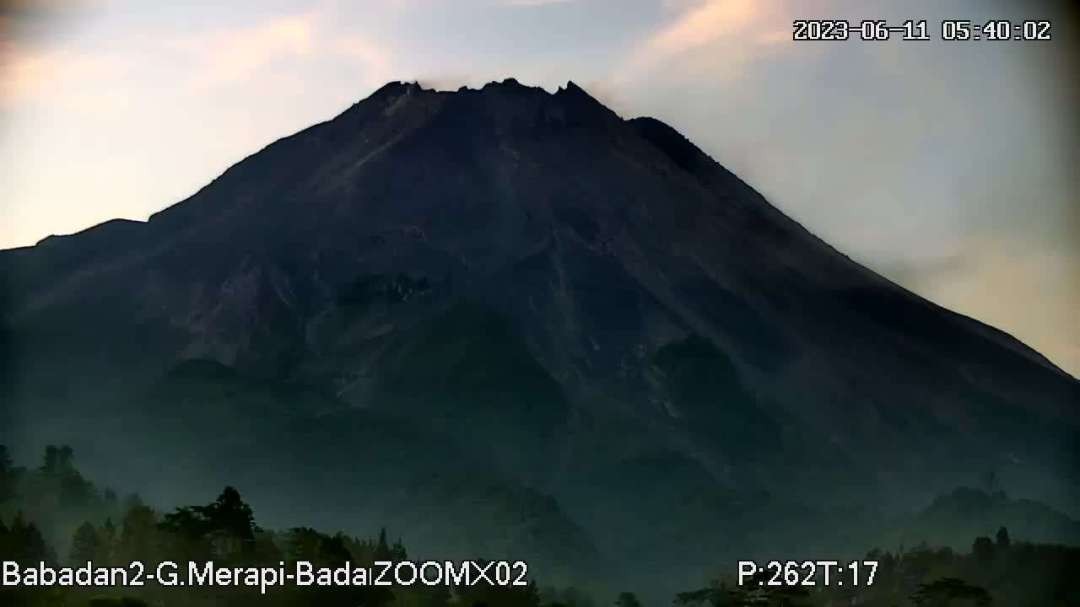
{"x": 529, "y": 280}
{"x": 955, "y": 518}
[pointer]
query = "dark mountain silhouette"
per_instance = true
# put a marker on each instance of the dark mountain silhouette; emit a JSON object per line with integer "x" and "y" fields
{"x": 508, "y": 321}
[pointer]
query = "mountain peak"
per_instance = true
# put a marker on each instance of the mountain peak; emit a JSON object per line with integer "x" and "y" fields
{"x": 394, "y": 86}
{"x": 571, "y": 89}
{"x": 506, "y": 82}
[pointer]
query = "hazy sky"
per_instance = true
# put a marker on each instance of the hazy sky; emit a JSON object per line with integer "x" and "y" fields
{"x": 950, "y": 167}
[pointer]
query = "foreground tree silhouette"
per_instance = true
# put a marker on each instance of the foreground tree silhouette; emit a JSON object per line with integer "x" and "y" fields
{"x": 58, "y": 460}
{"x": 7, "y": 475}
{"x": 941, "y": 593}
{"x": 22, "y": 542}
{"x": 85, "y": 545}
{"x": 1002, "y": 538}
{"x": 983, "y": 549}
{"x": 226, "y": 526}
{"x": 230, "y": 514}
{"x": 139, "y": 539}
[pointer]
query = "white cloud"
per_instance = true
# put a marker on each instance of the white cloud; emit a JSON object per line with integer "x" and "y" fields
{"x": 232, "y": 54}
{"x": 716, "y": 36}
{"x": 67, "y": 76}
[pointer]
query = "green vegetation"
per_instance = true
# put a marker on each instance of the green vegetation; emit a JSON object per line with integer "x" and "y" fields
{"x": 40, "y": 502}
{"x": 996, "y": 572}
{"x": 954, "y": 518}
{"x": 52, "y": 515}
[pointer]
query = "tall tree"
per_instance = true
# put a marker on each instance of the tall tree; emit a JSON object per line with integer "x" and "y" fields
{"x": 4, "y": 538}
{"x": 65, "y": 459}
{"x": 138, "y": 534}
{"x": 7, "y": 475}
{"x": 983, "y": 549}
{"x": 382, "y": 549}
{"x": 107, "y": 538}
{"x": 226, "y": 526}
{"x": 947, "y": 590}
{"x": 52, "y": 457}
{"x": 85, "y": 544}
{"x": 26, "y": 543}
{"x": 231, "y": 515}
{"x": 1002, "y": 538}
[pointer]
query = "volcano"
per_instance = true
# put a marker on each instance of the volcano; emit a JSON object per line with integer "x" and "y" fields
{"x": 508, "y": 323}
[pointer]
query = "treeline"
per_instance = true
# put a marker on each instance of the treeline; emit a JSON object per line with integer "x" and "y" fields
{"x": 56, "y": 494}
{"x": 52, "y": 514}
{"x": 995, "y": 572}
{"x": 113, "y": 533}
